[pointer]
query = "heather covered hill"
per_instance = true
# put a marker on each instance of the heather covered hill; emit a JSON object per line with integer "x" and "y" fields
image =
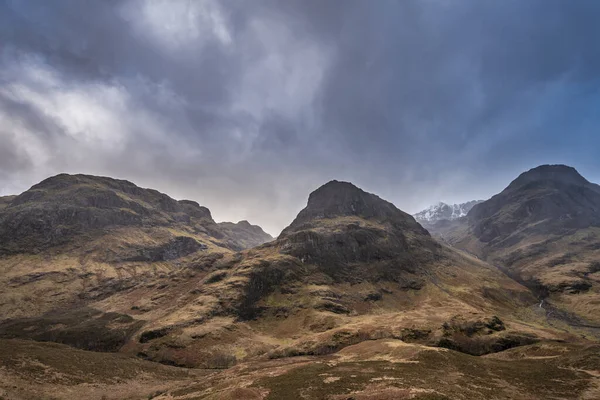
{"x": 5, "y": 201}
{"x": 547, "y": 200}
{"x": 63, "y": 207}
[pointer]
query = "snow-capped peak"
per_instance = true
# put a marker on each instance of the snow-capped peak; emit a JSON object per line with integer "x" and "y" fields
{"x": 442, "y": 211}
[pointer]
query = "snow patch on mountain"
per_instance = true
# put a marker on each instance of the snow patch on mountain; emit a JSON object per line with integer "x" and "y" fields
{"x": 441, "y": 211}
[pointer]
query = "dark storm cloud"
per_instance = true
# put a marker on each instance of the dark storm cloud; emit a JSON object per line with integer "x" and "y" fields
{"x": 247, "y": 106}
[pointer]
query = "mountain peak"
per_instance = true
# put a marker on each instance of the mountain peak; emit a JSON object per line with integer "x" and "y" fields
{"x": 64, "y": 180}
{"x": 338, "y": 198}
{"x": 544, "y": 200}
{"x": 554, "y": 173}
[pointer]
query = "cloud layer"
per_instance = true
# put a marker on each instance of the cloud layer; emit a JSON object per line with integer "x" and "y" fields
{"x": 248, "y": 106}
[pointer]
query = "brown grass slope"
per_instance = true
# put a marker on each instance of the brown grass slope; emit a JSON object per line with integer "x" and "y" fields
{"x": 372, "y": 370}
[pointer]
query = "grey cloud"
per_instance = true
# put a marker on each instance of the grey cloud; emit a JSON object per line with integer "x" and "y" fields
{"x": 247, "y": 106}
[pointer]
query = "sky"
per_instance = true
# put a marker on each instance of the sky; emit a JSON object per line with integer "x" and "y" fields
{"x": 248, "y": 106}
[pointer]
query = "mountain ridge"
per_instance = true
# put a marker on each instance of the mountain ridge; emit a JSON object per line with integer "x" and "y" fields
{"x": 63, "y": 206}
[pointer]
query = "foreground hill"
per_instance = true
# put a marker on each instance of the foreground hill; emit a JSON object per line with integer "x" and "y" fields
{"x": 371, "y": 370}
{"x": 544, "y": 230}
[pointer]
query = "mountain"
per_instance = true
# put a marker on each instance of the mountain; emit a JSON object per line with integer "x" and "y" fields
{"x": 544, "y": 230}
{"x": 244, "y": 233}
{"x": 442, "y": 211}
{"x": 74, "y": 237}
{"x": 354, "y": 298}
{"x": 550, "y": 199}
{"x": 356, "y": 235}
{"x": 64, "y": 207}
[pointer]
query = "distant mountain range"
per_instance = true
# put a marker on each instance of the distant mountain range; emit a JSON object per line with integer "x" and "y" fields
{"x": 442, "y": 211}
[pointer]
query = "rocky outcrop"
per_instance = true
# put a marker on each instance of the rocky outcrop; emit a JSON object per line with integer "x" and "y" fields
{"x": 481, "y": 336}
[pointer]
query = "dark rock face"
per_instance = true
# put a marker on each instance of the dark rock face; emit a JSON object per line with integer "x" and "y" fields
{"x": 547, "y": 199}
{"x": 177, "y": 247}
{"x": 194, "y": 209}
{"x": 350, "y": 244}
{"x": 264, "y": 278}
{"x": 576, "y": 287}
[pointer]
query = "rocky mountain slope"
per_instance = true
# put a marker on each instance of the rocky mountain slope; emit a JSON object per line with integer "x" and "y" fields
{"x": 544, "y": 230}
{"x": 442, "y": 211}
